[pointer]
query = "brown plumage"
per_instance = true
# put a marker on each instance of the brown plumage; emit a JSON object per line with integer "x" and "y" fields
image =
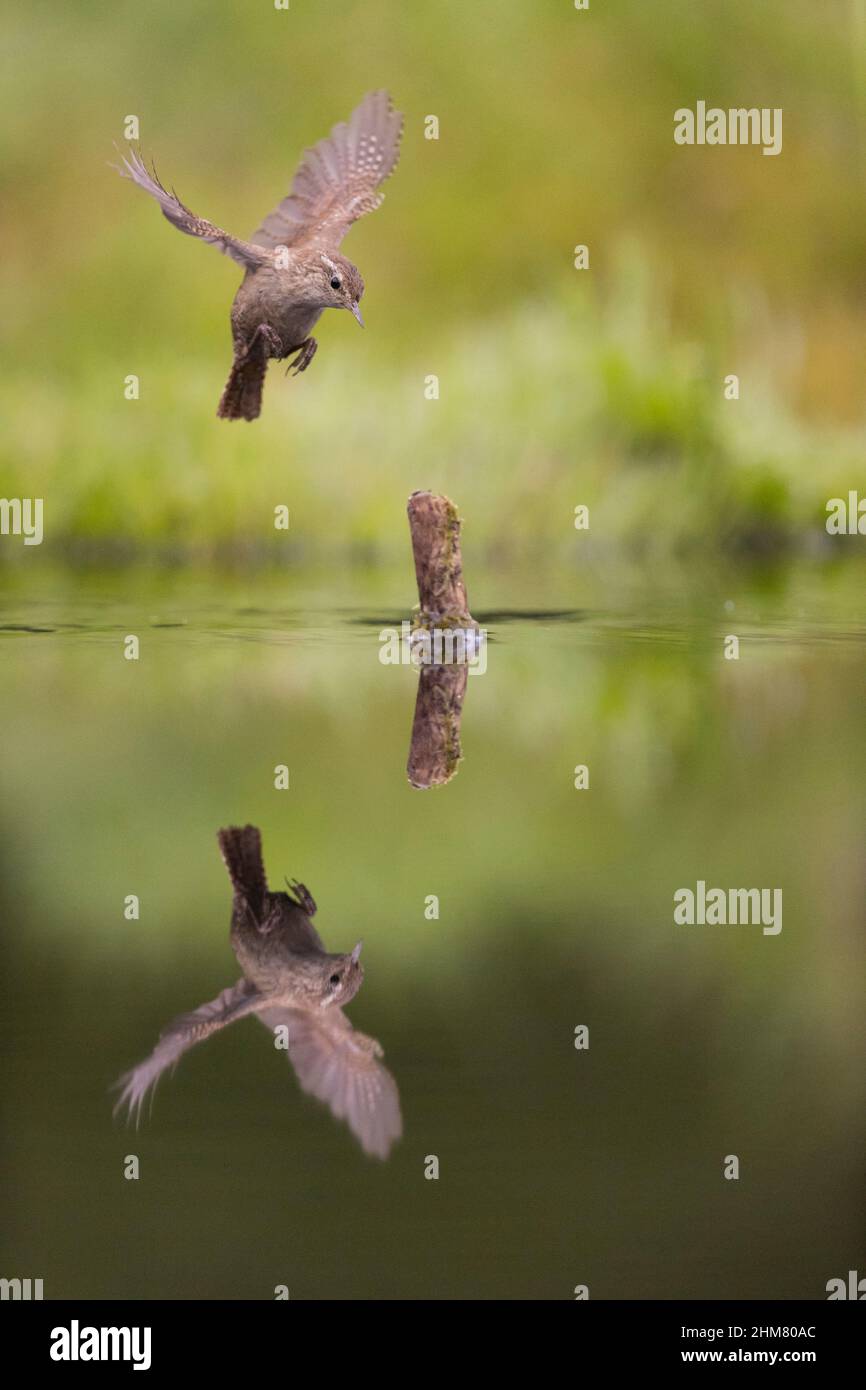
{"x": 289, "y": 981}
{"x": 293, "y": 269}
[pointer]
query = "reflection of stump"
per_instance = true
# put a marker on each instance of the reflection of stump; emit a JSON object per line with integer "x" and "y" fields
{"x": 435, "y": 748}
{"x": 435, "y": 528}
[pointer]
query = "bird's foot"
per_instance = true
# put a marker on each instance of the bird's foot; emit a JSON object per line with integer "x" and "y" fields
{"x": 305, "y": 356}
{"x": 264, "y": 337}
{"x": 303, "y": 896}
{"x": 271, "y": 339}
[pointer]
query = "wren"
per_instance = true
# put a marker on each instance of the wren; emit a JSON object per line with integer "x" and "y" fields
{"x": 291, "y": 983}
{"x": 292, "y": 264}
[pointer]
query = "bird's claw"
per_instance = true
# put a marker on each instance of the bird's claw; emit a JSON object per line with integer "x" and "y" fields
{"x": 304, "y": 358}
{"x": 271, "y": 339}
{"x": 303, "y": 896}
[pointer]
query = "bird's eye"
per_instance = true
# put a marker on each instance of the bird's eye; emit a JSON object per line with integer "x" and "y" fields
{"x": 335, "y": 283}
{"x": 334, "y": 980}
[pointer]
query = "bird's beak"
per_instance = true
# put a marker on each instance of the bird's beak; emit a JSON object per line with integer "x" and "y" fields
{"x": 356, "y": 953}
{"x": 356, "y": 311}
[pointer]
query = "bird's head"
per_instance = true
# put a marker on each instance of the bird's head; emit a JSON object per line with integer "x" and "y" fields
{"x": 342, "y": 285}
{"x": 342, "y": 977}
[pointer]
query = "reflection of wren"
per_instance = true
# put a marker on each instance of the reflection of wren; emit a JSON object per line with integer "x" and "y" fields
{"x": 293, "y": 268}
{"x": 290, "y": 981}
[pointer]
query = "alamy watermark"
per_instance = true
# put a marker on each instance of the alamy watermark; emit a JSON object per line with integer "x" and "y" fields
{"x": 437, "y": 646}
{"x": 77, "y": 1343}
{"x": 852, "y": 1288}
{"x": 733, "y": 907}
{"x": 738, "y": 125}
{"x": 21, "y": 1290}
{"x": 846, "y": 516}
{"x": 22, "y": 516}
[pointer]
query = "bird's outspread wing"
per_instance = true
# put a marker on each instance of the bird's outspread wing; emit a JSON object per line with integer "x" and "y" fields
{"x": 342, "y": 1068}
{"x": 247, "y": 255}
{"x": 180, "y": 1035}
{"x": 338, "y": 178}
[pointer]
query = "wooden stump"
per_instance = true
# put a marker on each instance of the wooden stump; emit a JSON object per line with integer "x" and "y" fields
{"x": 435, "y": 529}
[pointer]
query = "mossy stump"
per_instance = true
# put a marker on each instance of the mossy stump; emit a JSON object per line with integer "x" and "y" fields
{"x": 435, "y": 529}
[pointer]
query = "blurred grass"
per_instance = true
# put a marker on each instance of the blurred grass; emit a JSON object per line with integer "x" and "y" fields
{"x": 557, "y": 387}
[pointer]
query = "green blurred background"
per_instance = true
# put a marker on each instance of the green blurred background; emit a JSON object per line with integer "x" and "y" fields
{"x": 259, "y": 647}
{"x": 558, "y": 386}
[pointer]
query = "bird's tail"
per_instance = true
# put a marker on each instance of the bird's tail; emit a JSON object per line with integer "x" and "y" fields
{"x": 242, "y": 397}
{"x": 241, "y": 849}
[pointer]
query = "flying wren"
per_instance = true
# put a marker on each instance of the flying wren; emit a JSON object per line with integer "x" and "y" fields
{"x": 293, "y": 268}
{"x": 289, "y": 981}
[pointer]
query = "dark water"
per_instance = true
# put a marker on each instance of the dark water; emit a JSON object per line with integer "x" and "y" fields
{"x": 557, "y": 1167}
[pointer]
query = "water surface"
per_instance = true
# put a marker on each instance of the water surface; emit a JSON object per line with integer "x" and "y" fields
{"x": 555, "y": 909}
